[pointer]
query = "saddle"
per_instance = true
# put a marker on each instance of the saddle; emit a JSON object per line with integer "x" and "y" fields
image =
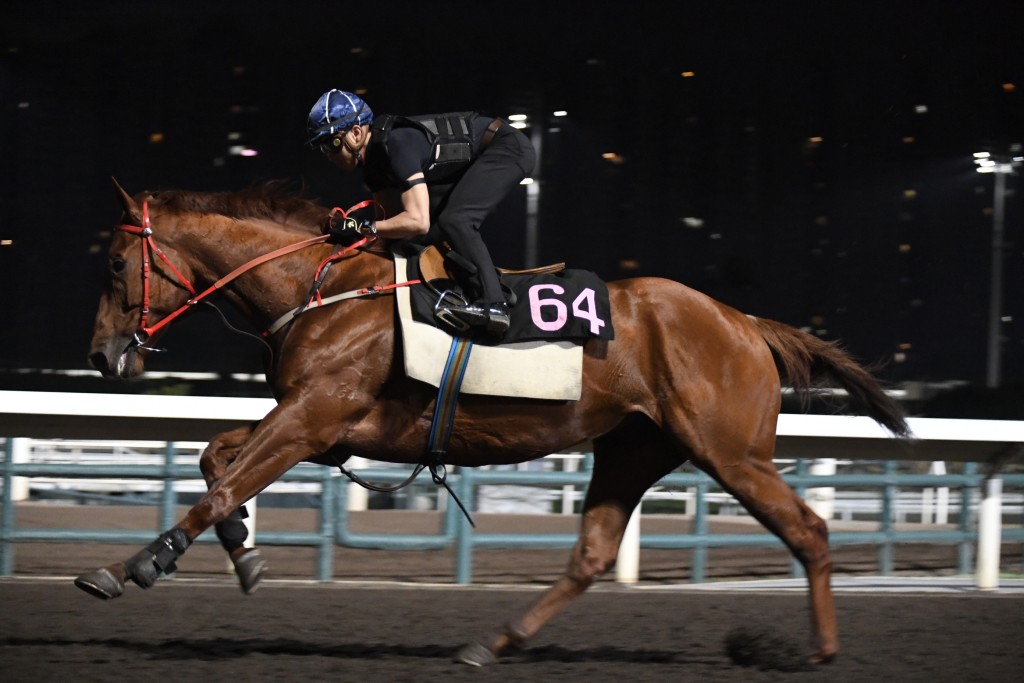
{"x": 549, "y": 302}
{"x": 437, "y": 266}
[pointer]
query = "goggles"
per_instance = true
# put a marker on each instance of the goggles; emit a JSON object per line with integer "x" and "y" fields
{"x": 332, "y": 145}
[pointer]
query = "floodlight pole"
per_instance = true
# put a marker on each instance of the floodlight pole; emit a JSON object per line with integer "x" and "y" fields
{"x": 1001, "y": 166}
{"x": 533, "y": 198}
{"x": 995, "y": 312}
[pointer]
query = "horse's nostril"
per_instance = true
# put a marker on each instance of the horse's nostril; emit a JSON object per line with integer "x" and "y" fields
{"x": 99, "y": 361}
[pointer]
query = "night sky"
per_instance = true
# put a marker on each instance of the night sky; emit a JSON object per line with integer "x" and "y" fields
{"x": 807, "y": 162}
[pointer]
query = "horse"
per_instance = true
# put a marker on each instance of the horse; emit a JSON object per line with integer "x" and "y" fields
{"x": 685, "y": 378}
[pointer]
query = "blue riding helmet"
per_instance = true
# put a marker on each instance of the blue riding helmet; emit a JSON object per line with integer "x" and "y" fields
{"x": 336, "y": 111}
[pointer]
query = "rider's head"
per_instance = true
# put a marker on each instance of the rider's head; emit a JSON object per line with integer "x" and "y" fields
{"x": 337, "y": 111}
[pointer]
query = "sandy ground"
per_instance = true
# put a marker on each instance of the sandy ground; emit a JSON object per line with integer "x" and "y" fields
{"x": 199, "y": 626}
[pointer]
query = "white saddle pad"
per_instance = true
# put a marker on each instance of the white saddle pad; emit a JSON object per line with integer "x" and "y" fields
{"x": 534, "y": 369}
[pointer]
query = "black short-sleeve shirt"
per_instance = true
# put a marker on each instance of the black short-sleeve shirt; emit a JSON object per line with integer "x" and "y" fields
{"x": 408, "y": 153}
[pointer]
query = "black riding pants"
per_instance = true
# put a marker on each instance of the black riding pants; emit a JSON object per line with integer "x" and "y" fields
{"x": 507, "y": 160}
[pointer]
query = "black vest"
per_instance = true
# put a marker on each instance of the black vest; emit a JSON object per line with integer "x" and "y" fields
{"x": 452, "y": 143}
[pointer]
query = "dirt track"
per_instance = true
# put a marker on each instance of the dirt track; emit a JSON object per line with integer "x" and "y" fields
{"x": 200, "y": 626}
{"x": 182, "y": 631}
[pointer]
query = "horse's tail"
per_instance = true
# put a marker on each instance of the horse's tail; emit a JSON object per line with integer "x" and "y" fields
{"x": 808, "y": 360}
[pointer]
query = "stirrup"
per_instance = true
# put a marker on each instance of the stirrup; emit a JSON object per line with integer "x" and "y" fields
{"x": 444, "y": 313}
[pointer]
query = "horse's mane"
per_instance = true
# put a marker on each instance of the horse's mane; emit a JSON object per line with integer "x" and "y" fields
{"x": 274, "y": 200}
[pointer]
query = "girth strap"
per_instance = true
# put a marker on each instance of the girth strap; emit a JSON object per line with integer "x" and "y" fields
{"x": 444, "y": 416}
{"x": 447, "y": 399}
{"x": 440, "y": 429}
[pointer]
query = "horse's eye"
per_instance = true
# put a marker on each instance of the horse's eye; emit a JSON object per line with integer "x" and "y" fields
{"x": 117, "y": 265}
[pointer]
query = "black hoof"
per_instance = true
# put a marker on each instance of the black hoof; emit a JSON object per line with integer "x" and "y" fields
{"x": 475, "y": 655}
{"x": 250, "y": 569}
{"x": 101, "y": 583}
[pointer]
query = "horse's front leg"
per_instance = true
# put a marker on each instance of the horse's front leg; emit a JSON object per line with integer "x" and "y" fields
{"x": 277, "y": 444}
{"x": 232, "y": 532}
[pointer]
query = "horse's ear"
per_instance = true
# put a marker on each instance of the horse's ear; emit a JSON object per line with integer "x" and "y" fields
{"x": 131, "y": 209}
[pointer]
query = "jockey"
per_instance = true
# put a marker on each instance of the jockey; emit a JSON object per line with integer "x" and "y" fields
{"x": 449, "y": 171}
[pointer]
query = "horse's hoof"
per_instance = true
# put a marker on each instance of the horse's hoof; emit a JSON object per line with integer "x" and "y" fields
{"x": 101, "y": 583}
{"x": 476, "y": 655}
{"x": 250, "y": 568}
{"x": 822, "y": 657}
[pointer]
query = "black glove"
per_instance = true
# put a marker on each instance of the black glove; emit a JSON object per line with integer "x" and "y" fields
{"x": 346, "y": 231}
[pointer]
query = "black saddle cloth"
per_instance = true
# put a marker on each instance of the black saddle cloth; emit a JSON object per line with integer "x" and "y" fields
{"x": 570, "y": 304}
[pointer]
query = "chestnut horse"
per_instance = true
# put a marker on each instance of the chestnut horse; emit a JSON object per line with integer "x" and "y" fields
{"x": 686, "y": 378}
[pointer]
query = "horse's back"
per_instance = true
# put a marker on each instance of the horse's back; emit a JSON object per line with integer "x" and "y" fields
{"x": 645, "y": 305}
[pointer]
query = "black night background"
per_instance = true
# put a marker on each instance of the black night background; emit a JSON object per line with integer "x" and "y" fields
{"x": 807, "y": 162}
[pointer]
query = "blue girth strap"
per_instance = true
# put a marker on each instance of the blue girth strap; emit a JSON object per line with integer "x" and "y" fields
{"x": 448, "y": 397}
{"x": 444, "y": 413}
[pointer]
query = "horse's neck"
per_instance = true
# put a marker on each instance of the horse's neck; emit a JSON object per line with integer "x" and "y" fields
{"x": 269, "y": 289}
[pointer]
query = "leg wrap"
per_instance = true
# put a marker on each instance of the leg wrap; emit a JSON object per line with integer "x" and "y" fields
{"x": 232, "y": 532}
{"x": 169, "y": 547}
{"x": 145, "y": 567}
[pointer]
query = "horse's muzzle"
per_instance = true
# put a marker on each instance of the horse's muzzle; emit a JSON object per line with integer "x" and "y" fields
{"x": 122, "y": 364}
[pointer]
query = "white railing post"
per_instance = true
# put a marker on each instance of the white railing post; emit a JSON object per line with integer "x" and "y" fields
{"x": 990, "y": 534}
{"x": 941, "y": 495}
{"x": 358, "y": 497}
{"x": 822, "y": 499}
{"x": 627, "y": 567}
{"x": 20, "y": 448}
{"x": 570, "y": 463}
{"x": 250, "y": 523}
{"x": 935, "y": 501}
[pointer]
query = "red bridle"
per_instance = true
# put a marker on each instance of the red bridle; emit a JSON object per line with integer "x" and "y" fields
{"x": 148, "y": 244}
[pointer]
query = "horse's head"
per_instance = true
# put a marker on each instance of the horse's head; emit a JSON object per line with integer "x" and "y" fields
{"x": 137, "y": 291}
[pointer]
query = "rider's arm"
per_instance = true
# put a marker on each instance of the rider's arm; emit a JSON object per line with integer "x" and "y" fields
{"x": 414, "y": 218}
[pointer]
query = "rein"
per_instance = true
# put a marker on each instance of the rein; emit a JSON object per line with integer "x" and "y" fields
{"x": 148, "y": 244}
{"x": 145, "y": 232}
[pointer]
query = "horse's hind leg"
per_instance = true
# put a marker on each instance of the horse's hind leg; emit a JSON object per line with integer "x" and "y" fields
{"x": 232, "y": 532}
{"x": 627, "y": 462}
{"x": 756, "y": 484}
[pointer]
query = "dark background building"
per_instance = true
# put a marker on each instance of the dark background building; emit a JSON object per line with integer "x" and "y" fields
{"x": 802, "y": 161}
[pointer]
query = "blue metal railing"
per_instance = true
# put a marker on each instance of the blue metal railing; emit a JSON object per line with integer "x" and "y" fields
{"x": 333, "y": 527}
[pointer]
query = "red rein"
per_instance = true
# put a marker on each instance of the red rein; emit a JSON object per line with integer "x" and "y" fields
{"x": 148, "y": 244}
